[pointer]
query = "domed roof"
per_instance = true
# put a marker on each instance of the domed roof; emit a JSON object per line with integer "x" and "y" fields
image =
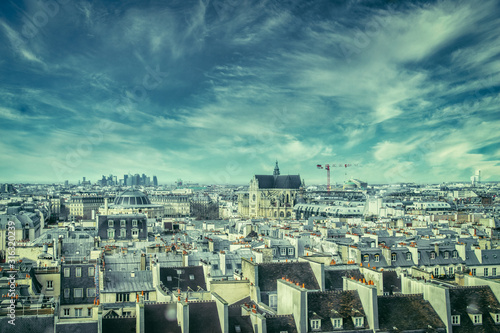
{"x": 132, "y": 198}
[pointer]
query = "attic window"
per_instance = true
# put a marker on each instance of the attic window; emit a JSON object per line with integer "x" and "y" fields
{"x": 393, "y": 256}
{"x": 377, "y": 258}
{"x": 315, "y": 324}
{"x": 455, "y": 254}
{"x": 496, "y": 317}
{"x": 366, "y": 258}
{"x": 408, "y": 256}
{"x": 477, "y": 319}
{"x": 446, "y": 255}
{"x": 191, "y": 277}
{"x": 455, "y": 320}
{"x": 433, "y": 255}
{"x": 358, "y": 321}
{"x": 337, "y": 323}
{"x": 169, "y": 278}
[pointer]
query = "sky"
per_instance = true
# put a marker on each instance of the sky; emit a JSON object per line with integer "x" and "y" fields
{"x": 215, "y": 91}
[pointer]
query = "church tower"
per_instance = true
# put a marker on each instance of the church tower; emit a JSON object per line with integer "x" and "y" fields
{"x": 276, "y": 170}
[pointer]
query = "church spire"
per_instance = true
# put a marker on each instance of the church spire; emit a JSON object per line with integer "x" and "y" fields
{"x": 276, "y": 170}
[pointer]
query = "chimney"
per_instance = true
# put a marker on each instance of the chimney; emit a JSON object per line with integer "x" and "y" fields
{"x": 143, "y": 262}
{"x": 59, "y": 246}
{"x": 140, "y": 317}
{"x": 54, "y": 248}
{"x": 183, "y": 315}
{"x": 436, "y": 249}
{"x": 99, "y": 319}
{"x": 105, "y": 206}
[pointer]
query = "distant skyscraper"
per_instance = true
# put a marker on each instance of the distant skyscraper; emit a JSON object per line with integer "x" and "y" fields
{"x": 125, "y": 180}
{"x": 66, "y": 183}
{"x": 476, "y": 179}
{"x": 155, "y": 181}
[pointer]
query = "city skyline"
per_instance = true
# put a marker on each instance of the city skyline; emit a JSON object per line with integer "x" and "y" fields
{"x": 216, "y": 91}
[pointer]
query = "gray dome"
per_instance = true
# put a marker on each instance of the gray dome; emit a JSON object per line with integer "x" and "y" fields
{"x": 132, "y": 198}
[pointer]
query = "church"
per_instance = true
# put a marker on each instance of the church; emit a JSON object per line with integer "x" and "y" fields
{"x": 270, "y": 196}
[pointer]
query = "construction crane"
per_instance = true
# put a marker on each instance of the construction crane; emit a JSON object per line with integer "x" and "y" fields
{"x": 327, "y": 168}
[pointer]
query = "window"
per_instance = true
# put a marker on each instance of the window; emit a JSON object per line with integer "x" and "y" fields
{"x": 451, "y": 271}
{"x": 315, "y": 324}
{"x": 122, "y": 297}
{"x": 366, "y": 258}
{"x": 455, "y": 320}
{"x": 135, "y": 233}
{"x": 229, "y": 266}
{"x": 67, "y": 272}
{"x": 146, "y": 295}
{"x": 433, "y": 255}
{"x": 78, "y": 271}
{"x": 89, "y": 312}
{"x": 455, "y": 254}
{"x": 494, "y": 271}
{"x": 215, "y": 266}
{"x": 123, "y": 233}
{"x": 358, "y": 321}
{"x": 377, "y": 258}
{"x": 274, "y": 252}
{"x": 290, "y": 251}
{"x": 446, "y": 255}
{"x": 66, "y": 312}
{"x": 337, "y": 323}
{"x": 418, "y": 255}
{"x": 393, "y": 257}
{"x": 283, "y": 251}
{"x": 78, "y": 292}
{"x": 486, "y": 271}
{"x": 110, "y": 223}
{"x": 66, "y": 292}
{"x": 169, "y": 278}
{"x": 191, "y": 277}
{"x": 91, "y": 271}
{"x": 408, "y": 256}
{"x": 477, "y": 319}
{"x": 436, "y": 271}
{"x": 78, "y": 312}
{"x": 123, "y": 223}
{"x": 50, "y": 284}
{"x": 134, "y": 223}
{"x": 111, "y": 233}
{"x": 273, "y": 301}
{"x": 91, "y": 292}
{"x": 473, "y": 272}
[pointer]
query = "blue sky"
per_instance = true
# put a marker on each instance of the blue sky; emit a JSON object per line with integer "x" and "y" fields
{"x": 215, "y": 91}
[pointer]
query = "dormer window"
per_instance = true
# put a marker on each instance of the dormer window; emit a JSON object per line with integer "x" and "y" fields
{"x": 408, "y": 256}
{"x": 455, "y": 320}
{"x": 377, "y": 258}
{"x": 433, "y": 255}
{"x": 496, "y": 317}
{"x": 315, "y": 324}
{"x": 446, "y": 255}
{"x": 337, "y": 323}
{"x": 455, "y": 254}
{"x": 477, "y": 319}
{"x": 366, "y": 258}
{"x": 393, "y": 257}
{"x": 358, "y": 321}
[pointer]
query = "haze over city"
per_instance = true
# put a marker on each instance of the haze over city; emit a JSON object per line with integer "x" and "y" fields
{"x": 216, "y": 91}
